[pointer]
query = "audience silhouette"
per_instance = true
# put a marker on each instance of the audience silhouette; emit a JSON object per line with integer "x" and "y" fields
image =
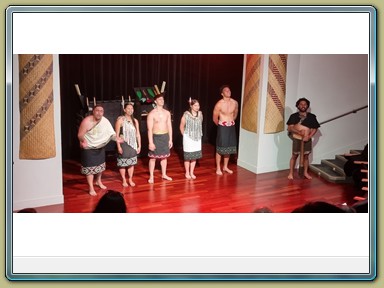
{"x": 320, "y": 207}
{"x": 263, "y": 209}
{"x": 27, "y": 210}
{"x": 111, "y": 202}
{"x": 361, "y": 206}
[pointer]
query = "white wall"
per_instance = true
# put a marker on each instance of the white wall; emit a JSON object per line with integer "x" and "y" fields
{"x": 36, "y": 182}
{"x": 335, "y": 84}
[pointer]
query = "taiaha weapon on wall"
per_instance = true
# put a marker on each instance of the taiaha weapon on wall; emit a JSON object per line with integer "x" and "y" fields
{"x": 85, "y": 108}
{"x": 157, "y": 91}
{"x": 84, "y": 101}
{"x": 81, "y": 97}
{"x": 122, "y": 105}
{"x": 146, "y": 95}
{"x": 163, "y": 87}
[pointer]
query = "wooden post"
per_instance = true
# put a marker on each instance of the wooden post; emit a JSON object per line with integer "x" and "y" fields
{"x": 301, "y": 165}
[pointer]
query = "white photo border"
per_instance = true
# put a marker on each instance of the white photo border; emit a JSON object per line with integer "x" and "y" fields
{"x": 11, "y": 49}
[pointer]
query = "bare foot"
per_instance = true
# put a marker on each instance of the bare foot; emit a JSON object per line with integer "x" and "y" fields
{"x": 101, "y": 185}
{"x": 150, "y": 180}
{"x": 165, "y": 177}
{"x": 290, "y": 177}
{"x": 218, "y": 172}
{"x": 131, "y": 183}
{"x": 193, "y": 176}
{"x": 229, "y": 171}
{"x": 187, "y": 176}
{"x": 306, "y": 175}
{"x": 92, "y": 193}
{"x": 125, "y": 184}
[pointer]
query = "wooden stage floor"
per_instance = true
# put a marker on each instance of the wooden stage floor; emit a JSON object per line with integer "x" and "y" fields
{"x": 241, "y": 192}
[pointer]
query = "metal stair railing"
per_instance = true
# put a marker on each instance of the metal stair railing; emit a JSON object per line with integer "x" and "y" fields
{"x": 344, "y": 114}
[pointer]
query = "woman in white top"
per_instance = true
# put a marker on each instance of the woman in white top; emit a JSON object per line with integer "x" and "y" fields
{"x": 192, "y": 130}
{"x": 127, "y": 127}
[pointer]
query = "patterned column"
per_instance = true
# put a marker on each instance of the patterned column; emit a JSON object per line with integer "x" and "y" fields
{"x": 251, "y": 93}
{"x": 274, "y": 114}
{"x": 37, "y": 134}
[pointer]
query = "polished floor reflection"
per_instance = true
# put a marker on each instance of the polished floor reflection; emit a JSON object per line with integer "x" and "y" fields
{"x": 241, "y": 192}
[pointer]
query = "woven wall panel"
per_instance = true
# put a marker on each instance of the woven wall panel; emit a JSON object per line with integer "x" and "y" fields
{"x": 37, "y": 134}
{"x": 251, "y": 93}
{"x": 277, "y": 74}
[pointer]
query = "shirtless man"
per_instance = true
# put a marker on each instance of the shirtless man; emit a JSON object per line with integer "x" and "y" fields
{"x": 302, "y": 125}
{"x": 94, "y": 133}
{"x": 224, "y": 116}
{"x": 159, "y": 127}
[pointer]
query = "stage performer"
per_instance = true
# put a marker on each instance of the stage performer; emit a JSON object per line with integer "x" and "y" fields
{"x": 127, "y": 128}
{"x": 159, "y": 127}
{"x": 302, "y": 125}
{"x": 94, "y": 134}
{"x": 224, "y": 116}
{"x": 191, "y": 127}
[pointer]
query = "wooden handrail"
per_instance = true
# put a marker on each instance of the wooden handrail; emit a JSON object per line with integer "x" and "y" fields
{"x": 360, "y": 162}
{"x": 345, "y": 114}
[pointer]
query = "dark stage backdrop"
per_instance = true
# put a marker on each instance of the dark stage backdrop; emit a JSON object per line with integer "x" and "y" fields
{"x": 108, "y": 77}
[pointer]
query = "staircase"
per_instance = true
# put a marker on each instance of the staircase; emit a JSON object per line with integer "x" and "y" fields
{"x": 333, "y": 169}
